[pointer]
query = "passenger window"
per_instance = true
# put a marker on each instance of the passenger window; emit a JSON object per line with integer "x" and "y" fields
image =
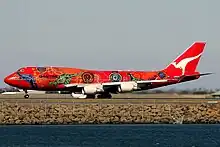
{"x": 20, "y": 70}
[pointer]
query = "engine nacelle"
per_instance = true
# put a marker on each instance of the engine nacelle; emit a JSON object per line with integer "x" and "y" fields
{"x": 127, "y": 87}
{"x": 92, "y": 89}
{"x": 80, "y": 96}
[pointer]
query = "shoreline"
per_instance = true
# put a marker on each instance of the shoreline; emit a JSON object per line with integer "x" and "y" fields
{"x": 109, "y": 114}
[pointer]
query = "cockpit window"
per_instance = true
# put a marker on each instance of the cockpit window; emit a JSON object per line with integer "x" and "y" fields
{"x": 21, "y": 70}
{"x": 41, "y": 69}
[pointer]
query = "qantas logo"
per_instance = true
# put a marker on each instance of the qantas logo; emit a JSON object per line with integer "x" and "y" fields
{"x": 183, "y": 63}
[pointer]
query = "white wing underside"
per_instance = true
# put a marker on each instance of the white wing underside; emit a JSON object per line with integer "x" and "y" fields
{"x": 117, "y": 83}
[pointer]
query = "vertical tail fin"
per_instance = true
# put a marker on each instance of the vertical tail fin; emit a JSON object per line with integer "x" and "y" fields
{"x": 187, "y": 62}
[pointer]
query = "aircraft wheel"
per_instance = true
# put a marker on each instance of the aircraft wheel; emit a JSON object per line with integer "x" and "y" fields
{"x": 26, "y": 96}
{"x": 109, "y": 96}
{"x": 106, "y": 95}
{"x": 99, "y": 96}
{"x": 90, "y": 96}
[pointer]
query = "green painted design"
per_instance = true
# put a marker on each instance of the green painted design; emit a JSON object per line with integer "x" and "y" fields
{"x": 132, "y": 78}
{"x": 63, "y": 79}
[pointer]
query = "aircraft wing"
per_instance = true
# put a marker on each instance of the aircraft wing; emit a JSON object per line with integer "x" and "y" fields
{"x": 119, "y": 83}
{"x": 138, "y": 82}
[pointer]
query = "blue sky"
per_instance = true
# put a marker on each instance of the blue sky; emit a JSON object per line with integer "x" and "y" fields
{"x": 100, "y": 34}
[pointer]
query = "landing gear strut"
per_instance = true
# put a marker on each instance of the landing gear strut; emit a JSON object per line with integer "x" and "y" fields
{"x": 91, "y": 96}
{"x": 26, "y": 94}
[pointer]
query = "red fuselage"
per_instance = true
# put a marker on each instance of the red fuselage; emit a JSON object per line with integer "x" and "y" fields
{"x": 181, "y": 69}
{"x": 54, "y": 78}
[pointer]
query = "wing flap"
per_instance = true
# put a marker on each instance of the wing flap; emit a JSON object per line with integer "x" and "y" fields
{"x": 76, "y": 85}
{"x": 151, "y": 81}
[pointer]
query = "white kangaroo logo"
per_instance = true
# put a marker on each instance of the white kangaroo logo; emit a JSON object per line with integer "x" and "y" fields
{"x": 183, "y": 63}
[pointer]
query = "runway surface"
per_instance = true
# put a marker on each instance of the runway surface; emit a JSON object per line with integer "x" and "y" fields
{"x": 117, "y": 99}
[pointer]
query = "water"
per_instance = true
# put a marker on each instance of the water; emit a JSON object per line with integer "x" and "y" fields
{"x": 111, "y": 136}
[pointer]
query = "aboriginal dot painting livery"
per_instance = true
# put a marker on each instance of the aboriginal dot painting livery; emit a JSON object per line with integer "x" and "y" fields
{"x": 86, "y": 83}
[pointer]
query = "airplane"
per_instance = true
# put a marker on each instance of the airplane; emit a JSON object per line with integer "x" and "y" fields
{"x": 88, "y": 83}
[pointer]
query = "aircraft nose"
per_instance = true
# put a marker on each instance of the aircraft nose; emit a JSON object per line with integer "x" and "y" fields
{"x": 8, "y": 79}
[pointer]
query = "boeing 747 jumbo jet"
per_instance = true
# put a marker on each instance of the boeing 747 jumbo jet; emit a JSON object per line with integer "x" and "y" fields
{"x": 86, "y": 83}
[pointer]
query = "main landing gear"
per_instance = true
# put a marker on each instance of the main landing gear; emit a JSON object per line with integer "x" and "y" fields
{"x": 104, "y": 95}
{"x": 26, "y": 94}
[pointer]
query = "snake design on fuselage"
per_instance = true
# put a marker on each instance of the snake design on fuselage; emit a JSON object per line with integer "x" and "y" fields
{"x": 29, "y": 78}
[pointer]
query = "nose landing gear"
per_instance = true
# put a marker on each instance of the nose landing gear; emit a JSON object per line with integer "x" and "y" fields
{"x": 26, "y": 94}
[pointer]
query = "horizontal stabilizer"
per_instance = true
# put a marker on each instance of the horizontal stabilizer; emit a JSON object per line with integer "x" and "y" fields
{"x": 191, "y": 75}
{"x": 202, "y": 74}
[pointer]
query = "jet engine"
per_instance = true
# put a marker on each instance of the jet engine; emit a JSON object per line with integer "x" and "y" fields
{"x": 126, "y": 87}
{"x": 91, "y": 89}
{"x": 81, "y": 96}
